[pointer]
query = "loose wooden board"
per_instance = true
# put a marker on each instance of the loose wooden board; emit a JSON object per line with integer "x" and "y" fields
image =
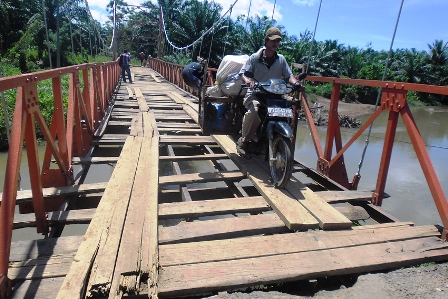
{"x": 258, "y": 246}
{"x": 255, "y": 204}
{"x": 221, "y": 228}
{"x": 224, "y": 275}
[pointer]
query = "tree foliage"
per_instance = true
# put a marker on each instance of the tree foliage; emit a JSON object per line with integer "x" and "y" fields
{"x": 185, "y": 23}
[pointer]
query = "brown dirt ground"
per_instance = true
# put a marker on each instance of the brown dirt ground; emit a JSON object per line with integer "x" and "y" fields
{"x": 350, "y": 109}
{"x": 424, "y": 282}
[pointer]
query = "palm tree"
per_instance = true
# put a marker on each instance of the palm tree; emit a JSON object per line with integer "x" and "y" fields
{"x": 411, "y": 66}
{"x": 351, "y": 63}
{"x": 439, "y": 53}
{"x": 196, "y": 19}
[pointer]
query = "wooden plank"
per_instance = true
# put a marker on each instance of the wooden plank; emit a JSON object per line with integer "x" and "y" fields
{"x": 117, "y": 141}
{"x": 128, "y": 110}
{"x": 221, "y": 228}
{"x": 172, "y": 117}
{"x": 176, "y": 97}
{"x": 164, "y": 107}
{"x": 258, "y": 246}
{"x": 294, "y": 215}
{"x": 150, "y": 125}
{"x": 130, "y": 93}
{"x": 177, "y": 125}
{"x": 94, "y": 239}
{"x": 143, "y": 106}
{"x": 137, "y": 125}
{"x": 384, "y": 225}
{"x": 150, "y": 243}
{"x": 58, "y": 217}
{"x": 155, "y": 78}
{"x": 203, "y": 177}
{"x": 93, "y": 160}
{"x": 344, "y": 196}
{"x": 215, "y": 276}
{"x": 194, "y": 157}
{"x": 180, "y": 130}
{"x": 27, "y": 196}
{"x": 103, "y": 123}
{"x": 113, "y": 123}
{"x": 39, "y": 288}
{"x": 126, "y": 103}
{"x": 31, "y": 249}
{"x": 328, "y": 217}
{"x": 104, "y": 263}
{"x": 114, "y": 137}
{"x": 186, "y": 139}
{"x": 255, "y": 204}
{"x": 144, "y": 194}
{"x": 122, "y": 117}
{"x": 41, "y": 268}
{"x": 353, "y": 213}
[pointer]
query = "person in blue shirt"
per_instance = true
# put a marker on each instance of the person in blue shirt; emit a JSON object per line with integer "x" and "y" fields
{"x": 125, "y": 63}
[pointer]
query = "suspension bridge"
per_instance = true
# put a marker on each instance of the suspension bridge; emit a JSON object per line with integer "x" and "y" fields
{"x": 159, "y": 229}
{"x": 182, "y": 214}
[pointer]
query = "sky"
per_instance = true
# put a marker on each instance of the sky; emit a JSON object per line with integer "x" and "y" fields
{"x": 355, "y": 23}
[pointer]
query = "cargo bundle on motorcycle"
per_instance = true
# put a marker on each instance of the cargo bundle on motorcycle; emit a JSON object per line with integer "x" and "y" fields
{"x": 218, "y": 104}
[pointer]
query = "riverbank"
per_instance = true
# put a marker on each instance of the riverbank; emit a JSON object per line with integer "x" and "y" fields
{"x": 425, "y": 282}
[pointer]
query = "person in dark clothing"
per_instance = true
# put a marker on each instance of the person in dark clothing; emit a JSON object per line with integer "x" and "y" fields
{"x": 125, "y": 60}
{"x": 142, "y": 57}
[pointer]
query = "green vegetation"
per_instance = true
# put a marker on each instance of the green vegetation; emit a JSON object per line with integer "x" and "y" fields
{"x": 73, "y": 38}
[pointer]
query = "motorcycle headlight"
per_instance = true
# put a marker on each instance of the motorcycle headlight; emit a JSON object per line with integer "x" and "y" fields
{"x": 277, "y": 86}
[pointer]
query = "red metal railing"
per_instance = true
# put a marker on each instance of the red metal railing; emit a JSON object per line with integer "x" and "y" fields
{"x": 69, "y": 135}
{"x": 393, "y": 99}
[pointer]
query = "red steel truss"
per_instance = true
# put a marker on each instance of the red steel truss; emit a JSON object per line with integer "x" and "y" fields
{"x": 69, "y": 135}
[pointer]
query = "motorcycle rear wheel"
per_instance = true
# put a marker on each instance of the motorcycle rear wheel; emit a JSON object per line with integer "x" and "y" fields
{"x": 283, "y": 159}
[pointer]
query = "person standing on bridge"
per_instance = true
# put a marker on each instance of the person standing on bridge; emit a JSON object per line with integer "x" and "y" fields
{"x": 125, "y": 63}
{"x": 142, "y": 57}
{"x": 266, "y": 64}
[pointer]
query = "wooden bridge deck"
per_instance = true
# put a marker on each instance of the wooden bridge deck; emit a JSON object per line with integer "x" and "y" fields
{"x": 183, "y": 214}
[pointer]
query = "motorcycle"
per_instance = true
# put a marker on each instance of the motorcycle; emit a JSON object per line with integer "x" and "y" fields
{"x": 276, "y": 132}
{"x": 276, "y": 137}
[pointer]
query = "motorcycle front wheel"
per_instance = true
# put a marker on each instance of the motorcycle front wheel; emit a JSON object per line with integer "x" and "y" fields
{"x": 281, "y": 163}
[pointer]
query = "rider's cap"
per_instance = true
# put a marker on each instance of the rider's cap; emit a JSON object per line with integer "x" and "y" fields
{"x": 273, "y": 33}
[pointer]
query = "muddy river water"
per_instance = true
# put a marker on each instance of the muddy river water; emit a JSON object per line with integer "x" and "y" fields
{"x": 410, "y": 198}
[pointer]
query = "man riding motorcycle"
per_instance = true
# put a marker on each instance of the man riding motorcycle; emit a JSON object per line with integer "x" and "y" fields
{"x": 265, "y": 64}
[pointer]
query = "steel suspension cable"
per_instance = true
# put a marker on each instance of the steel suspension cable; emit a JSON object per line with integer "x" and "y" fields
{"x": 211, "y": 43}
{"x": 202, "y": 36}
{"x": 94, "y": 24}
{"x": 275, "y": 2}
{"x": 227, "y": 32}
{"x": 46, "y": 31}
{"x": 312, "y": 41}
{"x": 113, "y": 27}
{"x": 248, "y": 13}
{"x": 380, "y": 90}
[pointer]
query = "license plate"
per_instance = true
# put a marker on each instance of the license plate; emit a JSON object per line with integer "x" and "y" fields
{"x": 280, "y": 112}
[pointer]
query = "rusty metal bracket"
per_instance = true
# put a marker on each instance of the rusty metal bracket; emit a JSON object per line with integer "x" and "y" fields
{"x": 323, "y": 166}
{"x": 5, "y": 286}
{"x": 393, "y": 98}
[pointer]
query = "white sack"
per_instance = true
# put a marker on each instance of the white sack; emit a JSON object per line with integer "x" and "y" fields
{"x": 232, "y": 85}
{"x": 230, "y": 64}
{"x": 214, "y": 91}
